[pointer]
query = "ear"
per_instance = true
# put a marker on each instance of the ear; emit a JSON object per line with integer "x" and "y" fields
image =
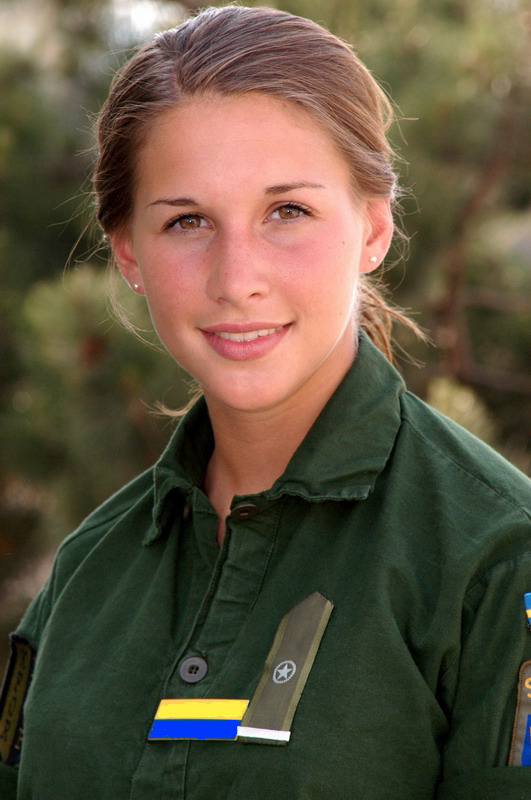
{"x": 378, "y": 233}
{"x": 124, "y": 256}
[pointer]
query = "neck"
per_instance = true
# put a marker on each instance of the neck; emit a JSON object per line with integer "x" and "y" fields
{"x": 250, "y": 454}
{"x": 252, "y": 449}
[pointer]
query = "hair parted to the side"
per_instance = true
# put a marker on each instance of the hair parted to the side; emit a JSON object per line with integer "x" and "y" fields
{"x": 233, "y": 50}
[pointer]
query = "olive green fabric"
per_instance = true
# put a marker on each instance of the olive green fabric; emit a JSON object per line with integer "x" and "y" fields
{"x": 417, "y": 533}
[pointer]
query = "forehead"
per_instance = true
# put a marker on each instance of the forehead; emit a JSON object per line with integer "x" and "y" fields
{"x": 237, "y": 132}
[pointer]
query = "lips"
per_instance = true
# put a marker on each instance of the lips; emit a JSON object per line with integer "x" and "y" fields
{"x": 243, "y": 342}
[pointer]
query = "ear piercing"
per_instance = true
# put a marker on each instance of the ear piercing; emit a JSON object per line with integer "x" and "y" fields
{"x": 373, "y": 259}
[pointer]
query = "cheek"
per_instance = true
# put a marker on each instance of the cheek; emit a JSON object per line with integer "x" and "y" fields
{"x": 170, "y": 304}
{"x": 311, "y": 259}
{"x": 170, "y": 280}
{"x": 331, "y": 268}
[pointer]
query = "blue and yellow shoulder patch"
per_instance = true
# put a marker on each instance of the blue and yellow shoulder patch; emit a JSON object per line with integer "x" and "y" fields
{"x": 520, "y": 752}
{"x": 527, "y": 607}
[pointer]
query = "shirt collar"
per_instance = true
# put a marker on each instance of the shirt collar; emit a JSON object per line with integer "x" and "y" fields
{"x": 350, "y": 442}
{"x": 340, "y": 458}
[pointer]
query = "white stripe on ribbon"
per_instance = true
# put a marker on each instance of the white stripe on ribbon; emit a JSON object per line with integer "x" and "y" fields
{"x": 264, "y": 733}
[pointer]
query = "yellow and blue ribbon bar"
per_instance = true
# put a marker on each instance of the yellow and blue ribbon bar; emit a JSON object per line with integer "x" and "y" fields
{"x": 204, "y": 718}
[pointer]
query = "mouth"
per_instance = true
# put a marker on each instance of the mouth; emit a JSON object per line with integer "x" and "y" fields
{"x": 244, "y": 341}
{"x": 246, "y": 336}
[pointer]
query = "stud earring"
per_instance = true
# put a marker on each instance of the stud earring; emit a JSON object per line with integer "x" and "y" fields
{"x": 136, "y": 286}
{"x": 373, "y": 259}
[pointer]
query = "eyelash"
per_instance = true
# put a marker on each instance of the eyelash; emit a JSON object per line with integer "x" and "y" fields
{"x": 174, "y": 223}
{"x": 297, "y": 207}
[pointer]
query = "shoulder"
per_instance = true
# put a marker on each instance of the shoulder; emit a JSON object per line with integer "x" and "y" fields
{"x": 453, "y": 460}
{"x": 462, "y": 512}
{"x": 136, "y": 496}
{"x": 134, "y": 499}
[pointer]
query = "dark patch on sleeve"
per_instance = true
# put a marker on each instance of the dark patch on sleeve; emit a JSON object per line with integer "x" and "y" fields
{"x": 15, "y": 687}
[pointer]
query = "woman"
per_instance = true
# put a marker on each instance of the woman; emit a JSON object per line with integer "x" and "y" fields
{"x": 318, "y": 589}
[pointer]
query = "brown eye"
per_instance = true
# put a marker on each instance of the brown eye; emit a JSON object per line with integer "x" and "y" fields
{"x": 188, "y": 223}
{"x": 289, "y": 212}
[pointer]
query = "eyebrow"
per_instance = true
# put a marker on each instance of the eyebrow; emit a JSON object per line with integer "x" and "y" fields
{"x": 174, "y": 201}
{"x": 288, "y": 187}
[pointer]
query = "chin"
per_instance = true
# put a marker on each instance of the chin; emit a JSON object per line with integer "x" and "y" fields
{"x": 248, "y": 398}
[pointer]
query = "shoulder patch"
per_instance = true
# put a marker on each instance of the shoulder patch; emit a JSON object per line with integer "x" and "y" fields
{"x": 520, "y": 752}
{"x": 14, "y": 690}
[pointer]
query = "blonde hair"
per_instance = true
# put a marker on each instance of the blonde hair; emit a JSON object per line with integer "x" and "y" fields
{"x": 233, "y": 50}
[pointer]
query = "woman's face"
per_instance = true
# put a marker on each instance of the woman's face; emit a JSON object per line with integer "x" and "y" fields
{"x": 247, "y": 241}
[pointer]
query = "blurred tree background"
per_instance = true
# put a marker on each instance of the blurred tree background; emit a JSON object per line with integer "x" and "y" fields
{"x": 77, "y": 388}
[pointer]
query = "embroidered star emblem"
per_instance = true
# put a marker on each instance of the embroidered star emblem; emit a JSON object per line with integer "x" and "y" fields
{"x": 284, "y": 671}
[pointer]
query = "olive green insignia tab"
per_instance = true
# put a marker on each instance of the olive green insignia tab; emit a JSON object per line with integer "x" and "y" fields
{"x": 288, "y": 664}
{"x": 520, "y": 753}
{"x": 14, "y": 690}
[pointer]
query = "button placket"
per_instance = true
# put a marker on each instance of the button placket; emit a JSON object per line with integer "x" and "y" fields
{"x": 249, "y": 550}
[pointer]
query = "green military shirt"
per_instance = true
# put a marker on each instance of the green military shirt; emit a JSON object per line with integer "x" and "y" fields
{"x": 415, "y": 536}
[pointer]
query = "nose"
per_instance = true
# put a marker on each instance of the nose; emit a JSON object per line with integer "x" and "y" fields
{"x": 238, "y": 270}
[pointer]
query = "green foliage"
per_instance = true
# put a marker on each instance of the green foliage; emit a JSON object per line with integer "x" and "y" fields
{"x": 82, "y": 402}
{"x": 32, "y": 172}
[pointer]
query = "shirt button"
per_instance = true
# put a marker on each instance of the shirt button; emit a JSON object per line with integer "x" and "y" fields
{"x": 244, "y": 511}
{"x": 193, "y": 669}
